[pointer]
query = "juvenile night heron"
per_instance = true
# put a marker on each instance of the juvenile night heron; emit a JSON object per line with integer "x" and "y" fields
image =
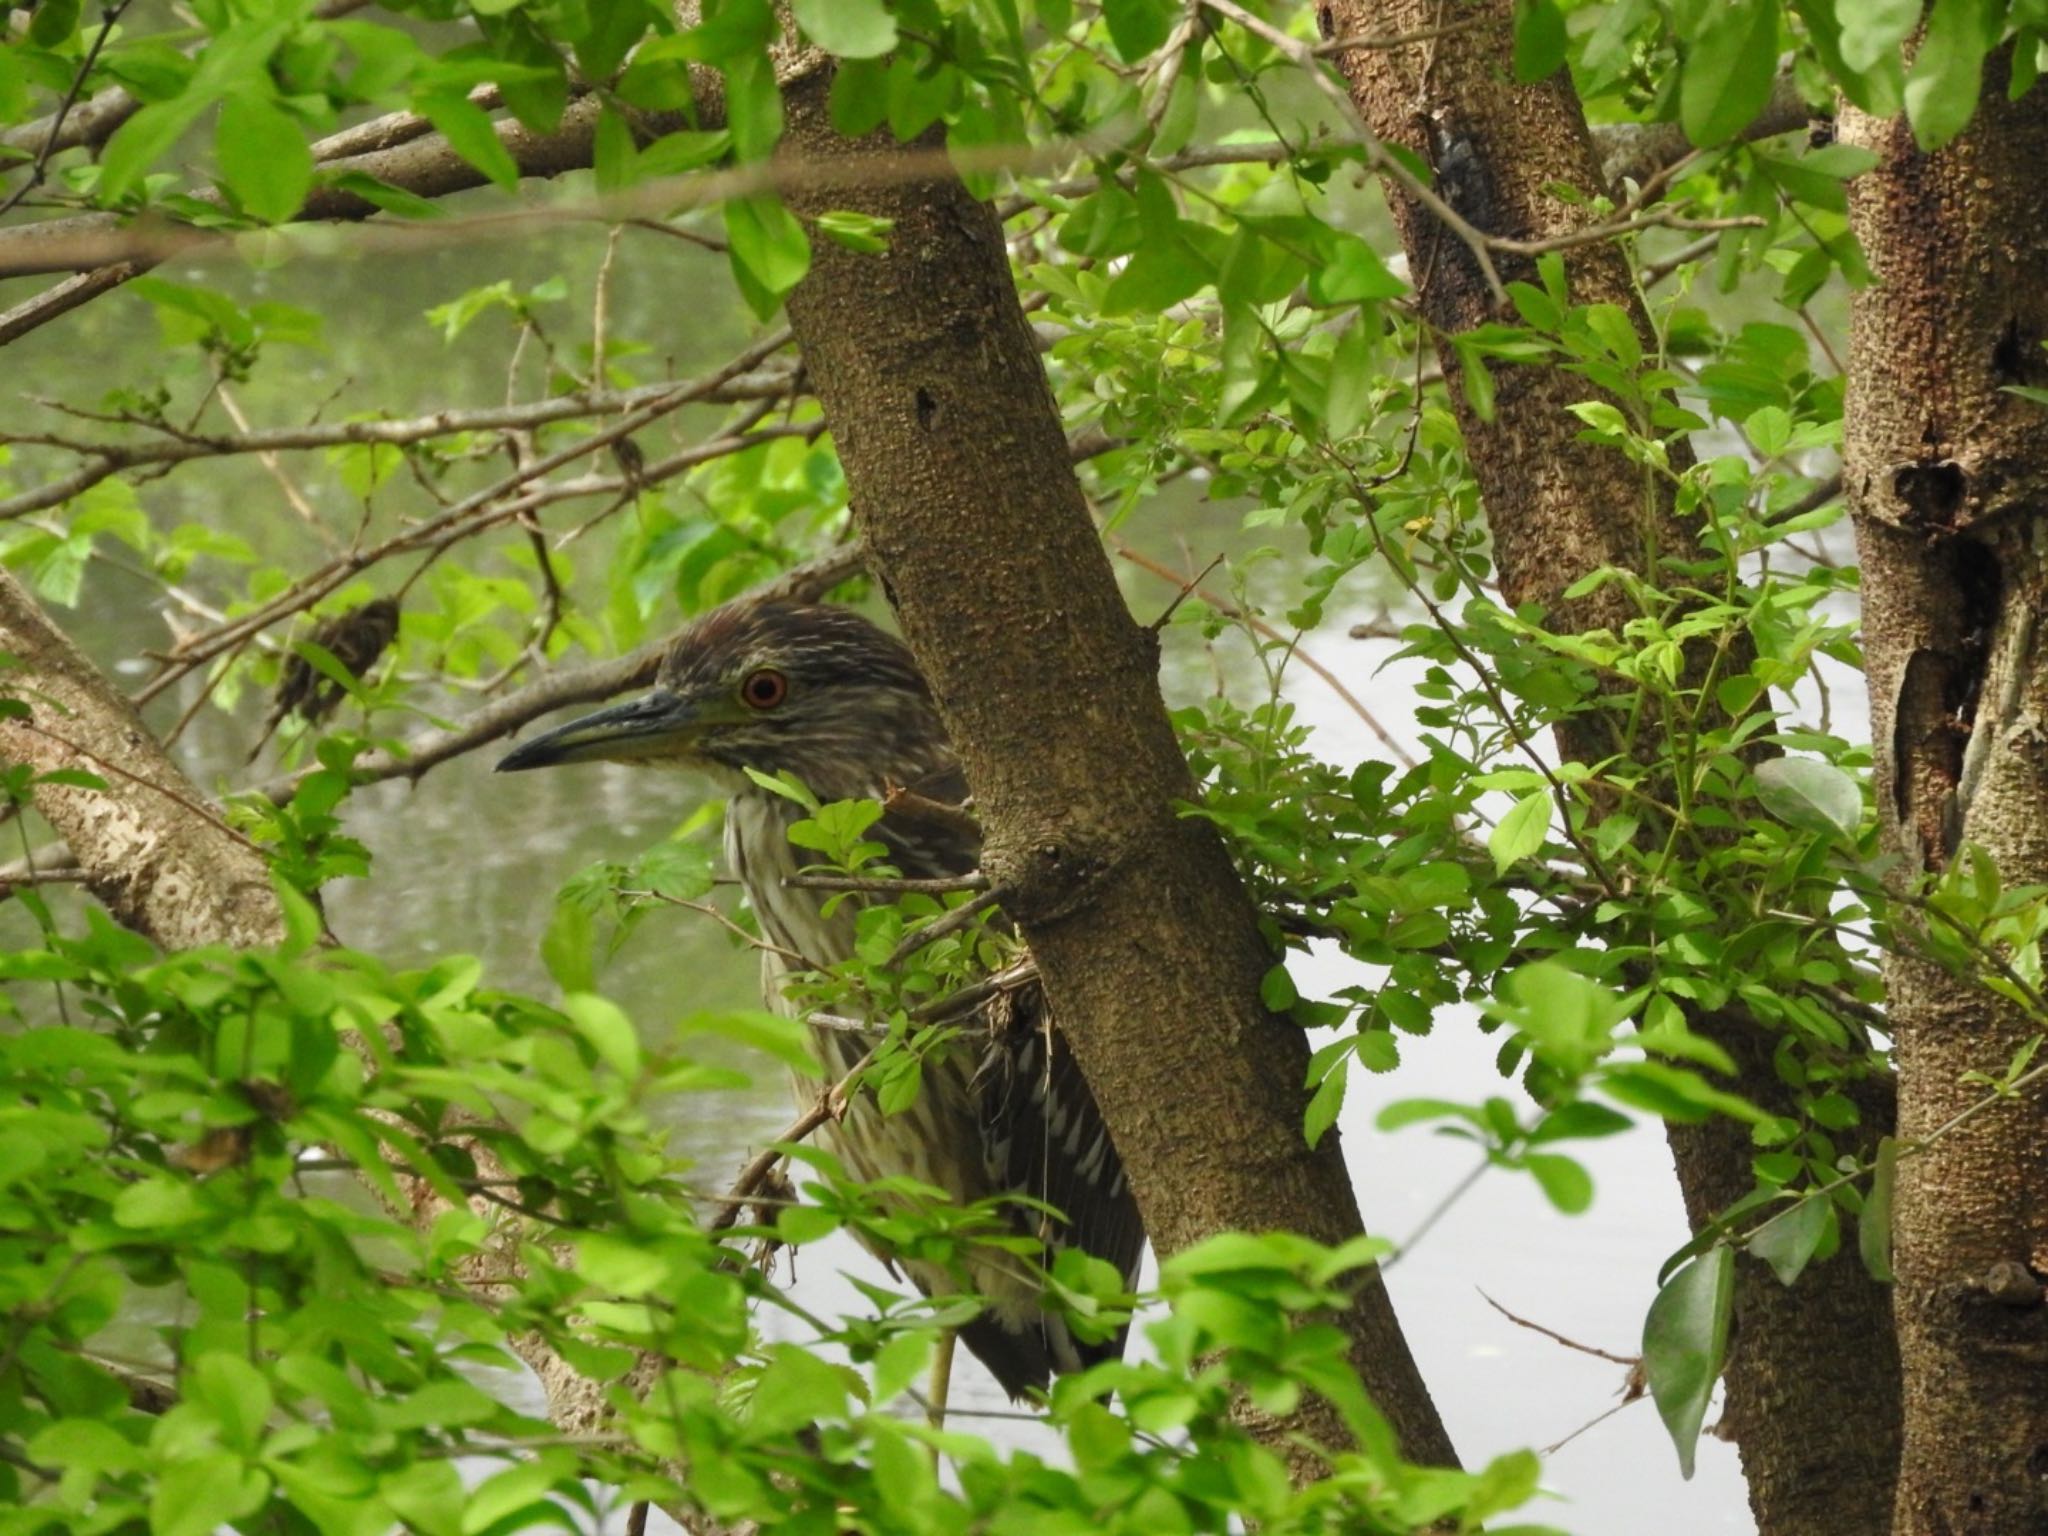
{"x": 826, "y": 695}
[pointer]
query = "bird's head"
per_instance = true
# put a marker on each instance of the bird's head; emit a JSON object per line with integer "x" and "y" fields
{"x": 814, "y": 690}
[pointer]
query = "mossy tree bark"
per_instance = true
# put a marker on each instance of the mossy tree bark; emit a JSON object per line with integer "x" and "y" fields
{"x": 1148, "y": 944}
{"x": 1947, "y": 475}
{"x": 1812, "y": 1377}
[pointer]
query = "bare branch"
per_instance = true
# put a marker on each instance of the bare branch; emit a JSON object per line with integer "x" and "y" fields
{"x": 176, "y": 447}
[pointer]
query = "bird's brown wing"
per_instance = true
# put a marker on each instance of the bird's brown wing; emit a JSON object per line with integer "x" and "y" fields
{"x": 1043, "y": 1136}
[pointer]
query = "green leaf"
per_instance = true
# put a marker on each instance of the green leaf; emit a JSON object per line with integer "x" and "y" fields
{"x": 796, "y": 1391}
{"x": 143, "y": 140}
{"x": 380, "y": 194}
{"x": 264, "y": 159}
{"x": 1137, "y": 27}
{"x": 605, "y": 1026}
{"x": 1807, "y": 793}
{"x": 901, "y": 1362}
{"x": 1685, "y": 1344}
{"x": 157, "y": 1203}
{"x": 192, "y": 1498}
{"x": 1874, "y": 1225}
{"x": 1872, "y": 29}
{"x": 1729, "y": 70}
{"x": 852, "y": 29}
{"x": 235, "y": 1393}
{"x": 1520, "y": 833}
{"x": 1351, "y": 383}
{"x": 614, "y": 160}
{"x": 1948, "y": 68}
{"x": 569, "y": 948}
{"x": 1322, "y": 1109}
{"x": 469, "y": 132}
{"x": 768, "y": 249}
{"x": 1568, "y": 1185}
{"x": 51, "y": 24}
{"x": 787, "y": 1040}
{"x": 1788, "y": 1241}
{"x": 620, "y": 1264}
{"x": 1539, "y": 40}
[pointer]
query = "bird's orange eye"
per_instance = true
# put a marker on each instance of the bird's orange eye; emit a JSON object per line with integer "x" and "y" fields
{"x": 765, "y": 689}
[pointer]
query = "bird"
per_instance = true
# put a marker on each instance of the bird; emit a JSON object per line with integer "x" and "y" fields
{"x": 823, "y": 693}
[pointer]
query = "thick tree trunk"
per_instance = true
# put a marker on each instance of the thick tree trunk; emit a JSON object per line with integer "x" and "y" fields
{"x": 1812, "y": 1379}
{"x": 1948, "y": 478}
{"x": 1148, "y": 944}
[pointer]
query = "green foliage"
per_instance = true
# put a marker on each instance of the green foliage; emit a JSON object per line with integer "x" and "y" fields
{"x": 217, "y": 1310}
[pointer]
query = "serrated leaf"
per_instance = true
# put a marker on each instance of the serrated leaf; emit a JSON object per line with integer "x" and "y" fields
{"x": 1322, "y": 1109}
{"x": 1685, "y": 1344}
{"x": 1520, "y": 833}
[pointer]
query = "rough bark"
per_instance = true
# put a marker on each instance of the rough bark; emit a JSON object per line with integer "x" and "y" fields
{"x": 1812, "y": 1377}
{"x": 1149, "y": 947}
{"x": 155, "y": 854}
{"x": 1947, "y": 477}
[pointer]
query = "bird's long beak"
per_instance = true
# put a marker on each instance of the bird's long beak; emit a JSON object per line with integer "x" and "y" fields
{"x": 659, "y": 724}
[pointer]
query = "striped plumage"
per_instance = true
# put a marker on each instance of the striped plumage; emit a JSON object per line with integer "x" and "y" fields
{"x": 822, "y": 693}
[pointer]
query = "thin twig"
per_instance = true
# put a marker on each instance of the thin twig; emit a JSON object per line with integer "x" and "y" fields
{"x": 831, "y": 1105}
{"x": 39, "y": 169}
{"x": 878, "y": 886}
{"x": 1551, "y": 1333}
{"x": 937, "y": 929}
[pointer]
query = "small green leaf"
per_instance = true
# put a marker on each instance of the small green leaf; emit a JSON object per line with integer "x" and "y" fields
{"x": 1788, "y": 1241}
{"x": 1685, "y": 1344}
{"x": 768, "y": 250}
{"x": 264, "y": 158}
{"x": 1568, "y": 1185}
{"x": 1137, "y": 27}
{"x": 1520, "y": 833}
{"x": 469, "y": 132}
{"x": 1872, "y": 29}
{"x": 852, "y": 29}
{"x": 602, "y": 1023}
{"x": 1874, "y": 1226}
{"x": 619, "y": 1265}
{"x": 1323, "y": 1106}
{"x": 144, "y": 139}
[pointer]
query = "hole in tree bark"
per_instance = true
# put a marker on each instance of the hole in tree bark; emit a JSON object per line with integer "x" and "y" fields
{"x": 1932, "y": 493}
{"x": 2008, "y": 356}
{"x": 927, "y": 409}
{"x": 1325, "y": 22}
